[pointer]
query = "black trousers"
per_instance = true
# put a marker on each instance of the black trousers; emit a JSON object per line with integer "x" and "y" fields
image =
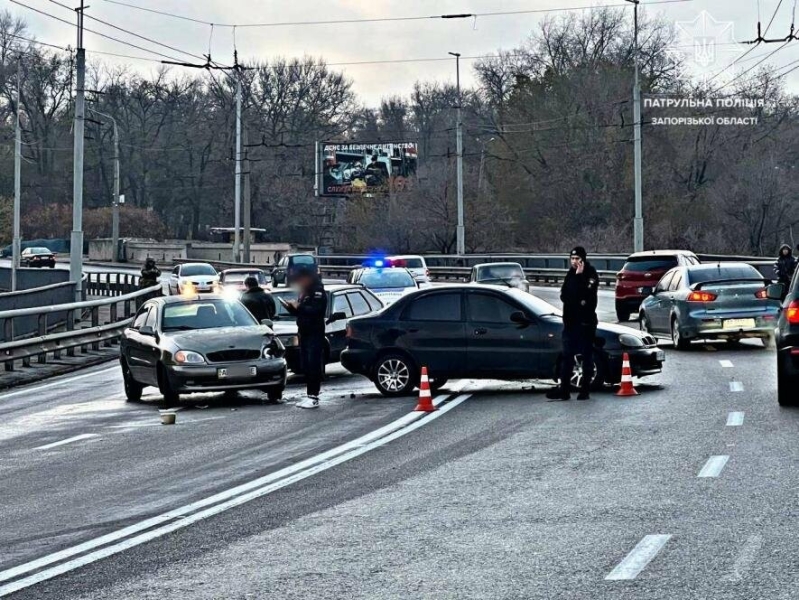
{"x": 578, "y": 341}
{"x": 312, "y": 355}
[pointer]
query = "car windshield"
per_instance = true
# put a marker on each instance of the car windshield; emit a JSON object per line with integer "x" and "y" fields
{"x": 289, "y": 296}
{"x": 39, "y": 251}
{"x": 205, "y": 314}
{"x": 387, "y": 280}
{"x": 192, "y": 270}
{"x": 538, "y": 306}
{"x": 643, "y": 264}
{"x": 717, "y": 272}
{"x": 500, "y": 273}
{"x": 303, "y": 259}
{"x": 239, "y": 277}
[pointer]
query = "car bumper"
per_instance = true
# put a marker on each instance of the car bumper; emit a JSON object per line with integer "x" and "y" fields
{"x": 643, "y": 362}
{"x": 789, "y": 357}
{"x": 714, "y": 327}
{"x": 357, "y": 361}
{"x": 207, "y": 378}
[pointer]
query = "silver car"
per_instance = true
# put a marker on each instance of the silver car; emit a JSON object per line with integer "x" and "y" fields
{"x": 505, "y": 274}
{"x": 728, "y": 301}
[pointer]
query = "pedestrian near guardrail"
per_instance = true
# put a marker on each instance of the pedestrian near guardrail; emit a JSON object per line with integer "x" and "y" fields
{"x": 785, "y": 267}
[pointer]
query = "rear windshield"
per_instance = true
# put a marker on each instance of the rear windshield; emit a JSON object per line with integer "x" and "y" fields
{"x": 646, "y": 263}
{"x": 717, "y": 272}
{"x": 39, "y": 251}
{"x": 500, "y": 273}
{"x": 387, "y": 279}
{"x": 408, "y": 263}
{"x": 192, "y": 270}
{"x": 303, "y": 259}
{"x": 240, "y": 277}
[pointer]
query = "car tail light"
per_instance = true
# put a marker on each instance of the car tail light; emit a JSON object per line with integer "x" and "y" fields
{"x": 792, "y": 314}
{"x": 701, "y": 297}
{"x": 619, "y": 276}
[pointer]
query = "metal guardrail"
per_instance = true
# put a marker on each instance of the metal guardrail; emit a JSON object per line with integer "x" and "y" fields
{"x": 110, "y": 284}
{"x": 67, "y": 341}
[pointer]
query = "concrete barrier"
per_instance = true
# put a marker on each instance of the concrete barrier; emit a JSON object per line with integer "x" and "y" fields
{"x": 49, "y": 295}
{"x": 32, "y": 278}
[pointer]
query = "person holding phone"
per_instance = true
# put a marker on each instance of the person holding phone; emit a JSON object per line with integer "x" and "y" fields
{"x": 579, "y": 295}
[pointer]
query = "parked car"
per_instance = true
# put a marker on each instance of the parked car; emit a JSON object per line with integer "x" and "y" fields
{"x": 37, "y": 257}
{"x": 286, "y": 268}
{"x": 644, "y": 269}
{"x": 232, "y": 280}
{"x": 507, "y": 274}
{"x": 343, "y": 303}
{"x": 191, "y": 278}
{"x": 481, "y": 332}
{"x": 200, "y": 344}
{"x": 416, "y": 265}
{"x": 787, "y": 342}
{"x": 727, "y": 301}
{"x": 388, "y": 284}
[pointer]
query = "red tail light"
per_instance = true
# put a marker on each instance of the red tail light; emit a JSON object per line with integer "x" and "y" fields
{"x": 792, "y": 314}
{"x": 701, "y": 297}
{"x": 619, "y": 276}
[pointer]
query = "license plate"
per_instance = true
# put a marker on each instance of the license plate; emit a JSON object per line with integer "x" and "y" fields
{"x": 236, "y": 372}
{"x": 660, "y": 355}
{"x": 739, "y": 324}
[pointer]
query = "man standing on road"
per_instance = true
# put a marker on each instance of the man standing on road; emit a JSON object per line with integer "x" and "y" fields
{"x": 785, "y": 267}
{"x": 579, "y": 297}
{"x": 257, "y": 301}
{"x": 310, "y": 309}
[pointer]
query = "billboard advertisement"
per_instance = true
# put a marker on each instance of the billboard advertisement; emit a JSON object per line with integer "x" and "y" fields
{"x": 368, "y": 169}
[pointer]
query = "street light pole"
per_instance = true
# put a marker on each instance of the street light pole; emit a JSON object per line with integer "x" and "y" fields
{"x": 460, "y": 233}
{"x": 76, "y": 248}
{"x": 15, "y": 248}
{"x": 237, "y": 201}
{"x": 115, "y": 199}
{"x": 638, "y": 223}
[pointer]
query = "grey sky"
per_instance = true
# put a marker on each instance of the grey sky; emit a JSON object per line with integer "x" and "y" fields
{"x": 383, "y": 41}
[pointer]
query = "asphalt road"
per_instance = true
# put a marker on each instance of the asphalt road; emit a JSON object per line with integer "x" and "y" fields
{"x": 686, "y": 491}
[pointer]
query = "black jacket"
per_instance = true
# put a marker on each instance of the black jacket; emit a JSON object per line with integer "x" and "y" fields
{"x": 259, "y": 303}
{"x": 579, "y": 297}
{"x": 311, "y": 310}
{"x": 149, "y": 276}
{"x": 785, "y": 266}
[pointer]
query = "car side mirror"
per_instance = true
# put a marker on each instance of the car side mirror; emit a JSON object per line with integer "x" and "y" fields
{"x": 268, "y": 322}
{"x": 520, "y": 318}
{"x": 775, "y": 291}
{"x": 147, "y": 330}
{"x": 337, "y": 316}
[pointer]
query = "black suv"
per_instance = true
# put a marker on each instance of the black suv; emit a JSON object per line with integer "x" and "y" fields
{"x": 787, "y": 341}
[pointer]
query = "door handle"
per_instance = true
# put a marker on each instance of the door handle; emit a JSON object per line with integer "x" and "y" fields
{"x": 480, "y": 331}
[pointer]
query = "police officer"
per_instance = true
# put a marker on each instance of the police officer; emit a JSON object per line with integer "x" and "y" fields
{"x": 149, "y": 274}
{"x": 257, "y": 301}
{"x": 579, "y": 297}
{"x": 310, "y": 309}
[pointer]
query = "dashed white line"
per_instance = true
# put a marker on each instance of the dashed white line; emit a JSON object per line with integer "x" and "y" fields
{"x": 727, "y": 364}
{"x": 735, "y": 419}
{"x": 736, "y": 386}
{"x": 714, "y": 466}
{"x": 638, "y": 558}
{"x": 745, "y": 559}
{"x": 77, "y": 438}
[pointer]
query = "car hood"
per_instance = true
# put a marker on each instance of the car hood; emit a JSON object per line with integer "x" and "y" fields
{"x": 222, "y": 338}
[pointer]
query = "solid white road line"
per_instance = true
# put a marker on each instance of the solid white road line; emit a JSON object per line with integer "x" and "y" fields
{"x": 55, "y": 383}
{"x": 77, "y": 438}
{"x": 713, "y": 466}
{"x": 745, "y": 559}
{"x": 735, "y": 419}
{"x": 638, "y": 558}
{"x": 736, "y": 386}
{"x": 727, "y": 364}
{"x": 179, "y": 518}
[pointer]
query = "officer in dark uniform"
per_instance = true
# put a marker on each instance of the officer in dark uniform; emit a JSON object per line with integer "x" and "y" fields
{"x": 310, "y": 309}
{"x": 579, "y": 297}
{"x": 257, "y": 301}
{"x": 149, "y": 274}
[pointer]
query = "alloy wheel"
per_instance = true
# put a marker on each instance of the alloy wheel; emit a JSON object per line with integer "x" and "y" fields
{"x": 393, "y": 375}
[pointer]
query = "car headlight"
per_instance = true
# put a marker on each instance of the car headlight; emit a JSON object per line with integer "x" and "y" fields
{"x": 187, "y": 357}
{"x": 275, "y": 349}
{"x": 631, "y": 341}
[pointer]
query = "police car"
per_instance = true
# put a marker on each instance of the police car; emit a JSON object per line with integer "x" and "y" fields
{"x": 384, "y": 281}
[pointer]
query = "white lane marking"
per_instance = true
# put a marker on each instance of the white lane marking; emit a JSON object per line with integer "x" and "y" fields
{"x": 735, "y": 419}
{"x": 55, "y": 383}
{"x": 714, "y": 466}
{"x": 179, "y": 518}
{"x": 736, "y": 386}
{"x": 745, "y": 559}
{"x": 638, "y": 558}
{"x": 727, "y": 364}
{"x": 77, "y": 438}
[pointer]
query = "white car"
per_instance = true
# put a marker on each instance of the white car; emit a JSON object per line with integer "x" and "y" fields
{"x": 200, "y": 278}
{"x": 414, "y": 263}
{"x": 389, "y": 284}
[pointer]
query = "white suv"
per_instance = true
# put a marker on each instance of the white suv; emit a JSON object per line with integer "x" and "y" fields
{"x": 415, "y": 264}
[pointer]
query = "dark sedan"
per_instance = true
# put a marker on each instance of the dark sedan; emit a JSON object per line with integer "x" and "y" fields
{"x": 787, "y": 341}
{"x": 37, "y": 257}
{"x": 481, "y": 332}
{"x": 200, "y": 344}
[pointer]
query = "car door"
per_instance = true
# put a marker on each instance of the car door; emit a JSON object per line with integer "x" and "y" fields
{"x": 143, "y": 352}
{"x": 659, "y": 307}
{"x": 432, "y": 329}
{"x": 337, "y": 330}
{"x": 496, "y": 345}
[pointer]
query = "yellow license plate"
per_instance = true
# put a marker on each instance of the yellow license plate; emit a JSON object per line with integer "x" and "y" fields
{"x": 739, "y": 324}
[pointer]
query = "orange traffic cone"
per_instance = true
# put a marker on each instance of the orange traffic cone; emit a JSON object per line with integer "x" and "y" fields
{"x": 626, "y": 388}
{"x": 425, "y": 398}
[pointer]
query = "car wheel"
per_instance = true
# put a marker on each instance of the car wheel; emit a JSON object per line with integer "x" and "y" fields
{"x": 622, "y": 313}
{"x": 679, "y": 341}
{"x": 167, "y": 391}
{"x": 644, "y": 325}
{"x": 769, "y": 342}
{"x": 52, "y": 265}
{"x": 395, "y": 375}
{"x": 274, "y": 282}
{"x": 274, "y": 394}
{"x": 133, "y": 389}
{"x": 597, "y": 376}
{"x": 786, "y": 385}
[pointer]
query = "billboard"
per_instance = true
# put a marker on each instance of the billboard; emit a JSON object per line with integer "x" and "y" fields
{"x": 368, "y": 169}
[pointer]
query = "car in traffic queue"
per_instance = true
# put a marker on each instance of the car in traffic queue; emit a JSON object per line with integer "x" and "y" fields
{"x": 720, "y": 301}
{"x": 389, "y": 283}
{"x": 190, "y": 278}
{"x": 482, "y": 332}
{"x": 508, "y": 274}
{"x": 416, "y": 265}
{"x": 343, "y": 303}
{"x": 191, "y": 343}
{"x": 286, "y": 268}
{"x": 645, "y": 269}
{"x": 232, "y": 280}
{"x": 37, "y": 257}
{"x": 787, "y": 342}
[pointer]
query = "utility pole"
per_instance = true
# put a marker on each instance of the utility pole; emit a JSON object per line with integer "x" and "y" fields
{"x": 76, "y": 249}
{"x": 237, "y": 201}
{"x": 15, "y": 248}
{"x": 115, "y": 199}
{"x": 638, "y": 224}
{"x": 247, "y": 199}
{"x": 460, "y": 234}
